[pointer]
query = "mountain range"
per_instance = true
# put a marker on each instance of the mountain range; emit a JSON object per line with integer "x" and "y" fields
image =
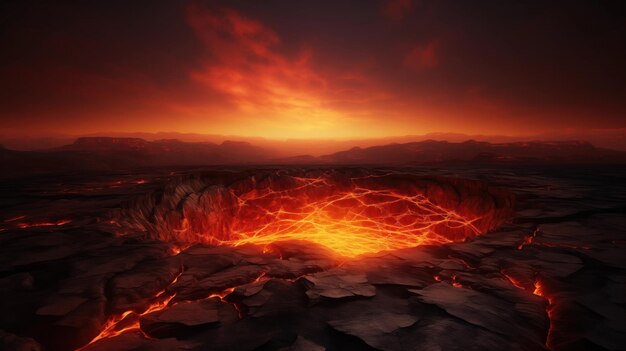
{"x": 30, "y": 141}
{"x": 432, "y": 151}
{"x": 106, "y": 153}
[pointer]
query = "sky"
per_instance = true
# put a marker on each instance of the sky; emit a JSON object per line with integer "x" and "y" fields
{"x": 313, "y": 69}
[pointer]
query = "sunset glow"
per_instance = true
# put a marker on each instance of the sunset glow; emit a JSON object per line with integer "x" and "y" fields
{"x": 389, "y": 68}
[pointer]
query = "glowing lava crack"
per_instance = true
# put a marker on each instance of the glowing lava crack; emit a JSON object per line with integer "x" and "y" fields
{"x": 351, "y": 214}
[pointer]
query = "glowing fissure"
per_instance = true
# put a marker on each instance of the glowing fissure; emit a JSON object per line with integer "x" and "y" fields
{"x": 528, "y": 239}
{"x": 350, "y": 215}
{"x": 514, "y": 281}
{"x": 541, "y": 291}
{"x": 455, "y": 283}
{"x": 12, "y": 219}
{"x": 128, "y": 321}
{"x": 538, "y": 289}
{"x": 44, "y": 224}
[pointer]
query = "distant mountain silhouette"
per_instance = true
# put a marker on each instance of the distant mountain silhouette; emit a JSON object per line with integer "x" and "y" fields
{"x": 106, "y": 153}
{"x": 602, "y": 138}
{"x": 168, "y": 151}
{"x": 431, "y": 151}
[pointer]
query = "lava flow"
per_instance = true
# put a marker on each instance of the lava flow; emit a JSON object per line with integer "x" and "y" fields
{"x": 528, "y": 239}
{"x": 44, "y": 224}
{"x": 350, "y": 215}
{"x": 350, "y": 223}
{"x": 129, "y": 320}
{"x": 540, "y": 291}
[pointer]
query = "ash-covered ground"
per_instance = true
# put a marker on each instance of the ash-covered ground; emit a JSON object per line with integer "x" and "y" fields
{"x": 94, "y": 262}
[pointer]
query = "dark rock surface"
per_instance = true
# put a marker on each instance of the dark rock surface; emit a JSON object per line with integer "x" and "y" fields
{"x": 552, "y": 277}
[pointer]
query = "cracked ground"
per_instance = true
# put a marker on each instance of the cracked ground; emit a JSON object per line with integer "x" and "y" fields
{"x": 97, "y": 262}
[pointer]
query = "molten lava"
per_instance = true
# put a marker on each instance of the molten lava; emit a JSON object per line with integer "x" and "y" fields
{"x": 348, "y": 215}
{"x": 44, "y": 224}
{"x": 541, "y": 291}
{"x": 349, "y": 223}
{"x": 129, "y": 320}
{"x": 528, "y": 239}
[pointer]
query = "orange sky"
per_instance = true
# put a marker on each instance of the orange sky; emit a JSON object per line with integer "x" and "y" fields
{"x": 283, "y": 70}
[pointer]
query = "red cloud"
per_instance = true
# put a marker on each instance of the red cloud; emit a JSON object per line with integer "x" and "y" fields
{"x": 422, "y": 57}
{"x": 246, "y": 65}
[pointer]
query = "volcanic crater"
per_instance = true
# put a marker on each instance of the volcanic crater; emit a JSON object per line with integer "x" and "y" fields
{"x": 350, "y": 212}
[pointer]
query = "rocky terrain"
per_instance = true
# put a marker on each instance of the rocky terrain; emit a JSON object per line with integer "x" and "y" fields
{"x": 105, "y": 261}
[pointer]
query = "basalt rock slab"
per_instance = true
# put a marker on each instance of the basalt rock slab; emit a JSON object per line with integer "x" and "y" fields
{"x": 185, "y": 317}
{"x": 376, "y": 329}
